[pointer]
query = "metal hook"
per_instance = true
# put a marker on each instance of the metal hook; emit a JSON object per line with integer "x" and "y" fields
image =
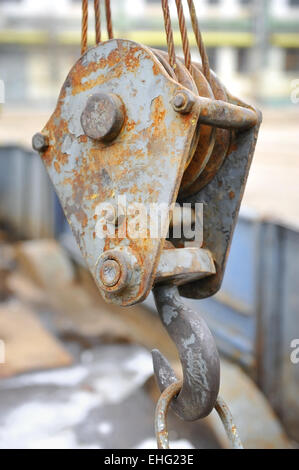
{"x": 198, "y": 354}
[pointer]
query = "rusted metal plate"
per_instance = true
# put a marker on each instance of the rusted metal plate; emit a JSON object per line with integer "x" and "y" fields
{"x": 182, "y": 265}
{"x": 221, "y": 147}
{"x": 206, "y": 142}
{"x": 221, "y": 200}
{"x": 145, "y": 162}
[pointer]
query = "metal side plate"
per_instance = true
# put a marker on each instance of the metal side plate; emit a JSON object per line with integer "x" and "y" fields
{"x": 145, "y": 162}
{"x": 221, "y": 200}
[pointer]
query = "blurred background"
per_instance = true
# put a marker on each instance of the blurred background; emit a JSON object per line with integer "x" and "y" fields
{"x": 77, "y": 373}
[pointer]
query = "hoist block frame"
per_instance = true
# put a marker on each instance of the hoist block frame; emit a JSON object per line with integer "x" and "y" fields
{"x": 145, "y": 162}
{"x": 221, "y": 199}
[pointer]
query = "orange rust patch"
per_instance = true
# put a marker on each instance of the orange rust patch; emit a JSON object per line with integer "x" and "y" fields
{"x": 134, "y": 189}
{"x": 62, "y": 158}
{"x": 158, "y": 111}
{"x": 48, "y": 156}
{"x": 57, "y": 134}
{"x": 113, "y": 58}
{"x": 57, "y": 167}
{"x": 82, "y": 218}
{"x": 81, "y": 71}
{"x": 233, "y": 147}
{"x": 156, "y": 69}
{"x": 79, "y": 87}
{"x": 131, "y": 61}
{"x": 130, "y": 125}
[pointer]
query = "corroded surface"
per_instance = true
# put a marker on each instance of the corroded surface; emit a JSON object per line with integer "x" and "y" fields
{"x": 151, "y": 149}
{"x": 222, "y": 199}
{"x": 206, "y": 140}
{"x": 198, "y": 354}
{"x": 207, "y": 171}
{"x": 182, "y": 265}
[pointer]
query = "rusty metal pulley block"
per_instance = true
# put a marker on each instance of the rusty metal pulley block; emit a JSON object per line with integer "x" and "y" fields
{"x": 127, "y": 128}
{"x": 124, "y": 126}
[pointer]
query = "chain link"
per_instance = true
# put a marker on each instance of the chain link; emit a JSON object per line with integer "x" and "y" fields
{"x": 162, "y": 410}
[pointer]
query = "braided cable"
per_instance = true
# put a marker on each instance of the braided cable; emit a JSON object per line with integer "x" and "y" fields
{"x": 97, "y": 18}
{"x": 169, "y": 34}
{"x": 84, "y": 26}
{"x": 199, "y": 40}
{"x": 109, "y": 19}
{"x": 184, "y": 35}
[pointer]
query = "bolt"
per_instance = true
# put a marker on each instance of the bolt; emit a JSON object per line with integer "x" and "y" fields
{"x": 39, "y": 142}
{"x": 113, "y": 273}
{"x": 183, "y": 102}
{"x": 110, "y": 273}
{"x": 179, "y": 101}
{"x": 103, "y": 116}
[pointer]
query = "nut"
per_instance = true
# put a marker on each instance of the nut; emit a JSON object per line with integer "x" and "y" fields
{"x": 183, "y": 102}
{"x": 113, "y": 271}
{"x": 103, "y": 117}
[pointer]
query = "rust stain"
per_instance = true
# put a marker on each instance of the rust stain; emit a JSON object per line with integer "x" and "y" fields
{"x": 81, "y": 70}
{"x": 233, "y": 146}
{"x": 219, "y": 151}
{"x": 156, "y": 69}
{"x": 130, "y": 125}
{"x": 131, "y": 60}
{"x": 100, "y": 170}
{"x": 81, "y": 217}
{"x": 56, "y": 135}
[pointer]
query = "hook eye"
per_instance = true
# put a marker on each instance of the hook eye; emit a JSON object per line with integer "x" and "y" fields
{"x": 198, "y": 354}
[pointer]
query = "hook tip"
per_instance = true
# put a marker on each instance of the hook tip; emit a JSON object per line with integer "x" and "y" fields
{"x": 163, "y": 371}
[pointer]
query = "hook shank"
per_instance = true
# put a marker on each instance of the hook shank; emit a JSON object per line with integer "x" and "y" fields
{"x": 198, "y": 354}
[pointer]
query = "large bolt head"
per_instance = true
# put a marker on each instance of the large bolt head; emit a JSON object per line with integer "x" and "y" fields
{"x": 110, "y": 272}
{"x": 103, "y": 116}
